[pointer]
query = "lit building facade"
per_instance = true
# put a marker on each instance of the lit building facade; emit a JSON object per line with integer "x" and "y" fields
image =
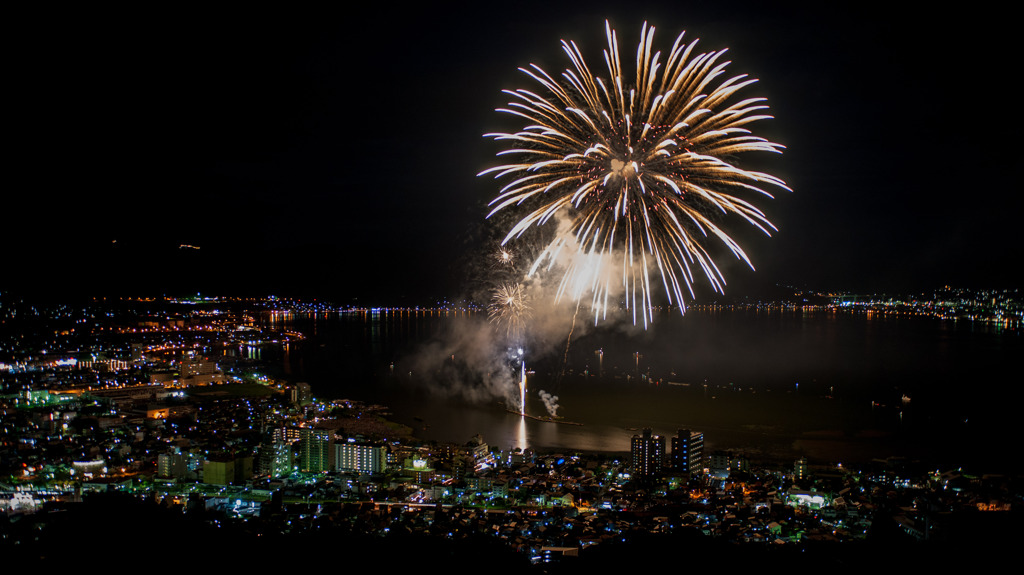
{"x": 688, "y": 451}
{"x": 179, "y": 465}
{"x": 360, "y": 457}
{"x": 227, "y": 470}
{"x": 301, "y": 393}
{"x": 275, "y": 460}
{"x": 316, "y": 450}
{"x": 800, "y": 468}
{"x": 648, "y": 453}
{"x": 197, "y": 370}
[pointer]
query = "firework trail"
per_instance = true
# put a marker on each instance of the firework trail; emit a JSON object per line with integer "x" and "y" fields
{"x": 638, "y": 165}
{"x": 568, "y": 340}
{"x": 522, "y": 389}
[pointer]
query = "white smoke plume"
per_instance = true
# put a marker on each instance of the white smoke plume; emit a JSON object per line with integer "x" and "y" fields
{"x": 467, "y": 362}
{"x": 550, "y": 402}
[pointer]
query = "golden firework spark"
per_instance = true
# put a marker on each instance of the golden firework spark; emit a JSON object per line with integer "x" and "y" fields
{"x": 509, "y": 308}
{"x": 639, "y": 167}
{"x": 504, "y": 257}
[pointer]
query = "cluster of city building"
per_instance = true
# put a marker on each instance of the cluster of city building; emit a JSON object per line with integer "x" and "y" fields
{"x": 290, "y": 464}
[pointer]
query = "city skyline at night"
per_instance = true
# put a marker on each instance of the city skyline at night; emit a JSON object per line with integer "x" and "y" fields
{"x": 269, "y": 280}
{"x": 809, "y": 429}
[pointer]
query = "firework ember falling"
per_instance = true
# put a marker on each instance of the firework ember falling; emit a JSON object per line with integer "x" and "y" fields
{"x": 639, "y": 169}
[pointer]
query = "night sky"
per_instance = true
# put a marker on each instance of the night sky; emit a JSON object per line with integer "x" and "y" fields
{"x": 334, "y": 155}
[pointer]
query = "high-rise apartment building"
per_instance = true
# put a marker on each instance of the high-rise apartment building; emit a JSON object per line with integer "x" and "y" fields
{"x": 688, "y": 451}
{"x": 316, "y": 450}
{"x": 648, "y": 453}
{"x": 274, "y": 460}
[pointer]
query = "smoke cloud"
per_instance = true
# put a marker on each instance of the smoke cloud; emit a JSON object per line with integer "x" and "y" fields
{"x": 471, "y": 360}
{"x": 467, "y": 361}
{"x": 550, "y": 402}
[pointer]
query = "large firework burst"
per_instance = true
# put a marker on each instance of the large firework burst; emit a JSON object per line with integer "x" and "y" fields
{"x": 638, "y": 166}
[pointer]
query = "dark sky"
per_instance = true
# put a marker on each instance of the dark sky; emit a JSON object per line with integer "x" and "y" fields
{"x": 335, "y": 154}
